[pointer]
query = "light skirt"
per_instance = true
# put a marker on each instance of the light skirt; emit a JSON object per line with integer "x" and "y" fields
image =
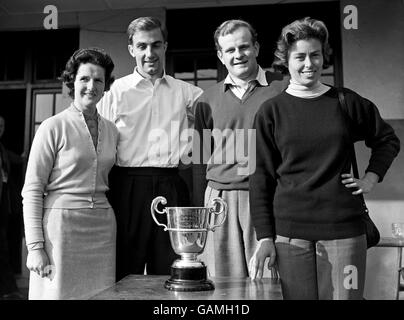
{"x": 80, "y": 244}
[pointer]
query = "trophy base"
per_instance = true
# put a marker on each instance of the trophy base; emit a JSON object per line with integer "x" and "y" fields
{"x": 189, "y": 279}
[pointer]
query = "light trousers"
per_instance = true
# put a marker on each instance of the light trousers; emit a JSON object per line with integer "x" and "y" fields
{"x": 230, "y": 247}
{"x": 322, "y": 270}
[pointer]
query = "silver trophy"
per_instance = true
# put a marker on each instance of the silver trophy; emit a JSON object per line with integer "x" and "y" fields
{"x": 188, "y": 229}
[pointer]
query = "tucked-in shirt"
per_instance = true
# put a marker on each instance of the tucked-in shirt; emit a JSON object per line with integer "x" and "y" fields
{"x": 296, "y": 189}
{"x": 150, "y": 119}
{"x": 65, "y": 170}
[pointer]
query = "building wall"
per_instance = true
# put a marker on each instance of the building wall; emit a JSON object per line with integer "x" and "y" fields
{"x": 373, "y": 66}
{"x": 373, "y": 56}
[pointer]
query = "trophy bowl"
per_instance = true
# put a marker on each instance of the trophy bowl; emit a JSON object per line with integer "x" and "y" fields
{"x": 188, "y": 229}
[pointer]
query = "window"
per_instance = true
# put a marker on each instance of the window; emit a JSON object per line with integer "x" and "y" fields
{"x": 46, "y": 104}
{"x": 198, "y": 68}
{"x": 51, "y": 51}
{"x": 47, "y": 51}
{"x": 12, "y": 57}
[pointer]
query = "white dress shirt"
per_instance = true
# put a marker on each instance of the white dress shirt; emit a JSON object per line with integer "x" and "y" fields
{"x": 150, "y": 119}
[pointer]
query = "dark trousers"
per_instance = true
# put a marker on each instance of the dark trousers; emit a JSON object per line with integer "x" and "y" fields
{"x": 7, "y": 280}
{"x": 140, "y": 242}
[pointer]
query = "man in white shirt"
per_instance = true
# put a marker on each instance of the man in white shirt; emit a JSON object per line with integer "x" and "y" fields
{"x": 229, "y": 107}
{"x": 151, "y": 109}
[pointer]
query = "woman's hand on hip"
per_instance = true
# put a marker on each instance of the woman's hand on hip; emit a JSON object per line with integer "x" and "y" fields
{"x": 364, "y": 185}
{"x": 265, "y": 248}
{"x": 38, "y": 261}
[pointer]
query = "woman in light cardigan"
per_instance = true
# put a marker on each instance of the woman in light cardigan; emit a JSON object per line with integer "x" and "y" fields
{"x": 305, "y": 204}
{"x": 70, "y": 227}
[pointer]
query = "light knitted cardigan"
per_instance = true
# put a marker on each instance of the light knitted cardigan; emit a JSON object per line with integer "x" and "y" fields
{"x": 64, "y": 169}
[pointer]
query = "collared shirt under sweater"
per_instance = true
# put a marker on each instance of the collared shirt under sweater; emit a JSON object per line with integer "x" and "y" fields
{"x": 222, "y": 160}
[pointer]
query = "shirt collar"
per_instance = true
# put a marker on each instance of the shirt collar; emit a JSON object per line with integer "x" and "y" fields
{"x": 260, "y": 78}
{"x": 137, "y": 77}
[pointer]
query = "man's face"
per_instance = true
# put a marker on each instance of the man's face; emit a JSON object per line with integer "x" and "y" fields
{"x": 148, "y": 48}
{"x": 2, "y": 126}
{"x": 239, "y": 54}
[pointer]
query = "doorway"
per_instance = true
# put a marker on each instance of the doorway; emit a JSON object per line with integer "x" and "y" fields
{"x": 12, "y": 109}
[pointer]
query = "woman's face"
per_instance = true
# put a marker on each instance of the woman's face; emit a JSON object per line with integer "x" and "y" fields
{"x": 305, "y": 62}
{"x": 89, "y": 85}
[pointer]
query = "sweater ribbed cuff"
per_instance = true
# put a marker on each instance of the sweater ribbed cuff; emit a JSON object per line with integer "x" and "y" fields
{"x": 35, "y": 246}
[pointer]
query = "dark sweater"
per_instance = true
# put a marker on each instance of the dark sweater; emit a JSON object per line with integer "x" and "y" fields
{"x": 296, "y": 190}
{"x": 218, "y": 108}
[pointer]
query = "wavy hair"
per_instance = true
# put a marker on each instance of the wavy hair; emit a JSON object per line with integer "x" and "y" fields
{"x": 92, "y": 55}
{"x": 303, "y": 29}
{"x": 145, "y": 24}
{"x": 229, "y": 27}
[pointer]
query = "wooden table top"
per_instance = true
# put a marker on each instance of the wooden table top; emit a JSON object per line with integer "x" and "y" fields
{"x": 149, "y": 287}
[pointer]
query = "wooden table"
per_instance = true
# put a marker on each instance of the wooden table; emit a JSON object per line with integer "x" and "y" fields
{"x": 148, "y": 287}
{"x": 399, "y": 244}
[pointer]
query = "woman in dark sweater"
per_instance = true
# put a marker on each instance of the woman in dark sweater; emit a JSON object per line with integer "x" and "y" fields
{"x": 305, "y": 204}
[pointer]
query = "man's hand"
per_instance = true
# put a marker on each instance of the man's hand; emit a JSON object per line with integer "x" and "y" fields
{"x": 265, "y": 248}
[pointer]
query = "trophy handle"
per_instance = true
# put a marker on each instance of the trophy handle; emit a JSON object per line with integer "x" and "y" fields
{"x": 222, "y": 209}
{"x": 153, "y": 208}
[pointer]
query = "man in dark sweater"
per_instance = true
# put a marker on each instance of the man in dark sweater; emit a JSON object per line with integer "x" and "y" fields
{"x": 223, "y": 122}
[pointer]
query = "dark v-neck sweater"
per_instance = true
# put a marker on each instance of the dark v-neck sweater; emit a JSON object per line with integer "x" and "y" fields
{"x": 296, "y": 190}
{"x": 220, "y": 111}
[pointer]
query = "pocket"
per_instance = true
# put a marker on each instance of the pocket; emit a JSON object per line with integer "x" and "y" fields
{"x": 210, "y": 193}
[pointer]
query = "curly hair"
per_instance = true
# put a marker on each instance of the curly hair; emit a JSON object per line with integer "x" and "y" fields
{"x": 92, "y": 55}
{"x": 145, "y": 24}
{"x": 229, "y": 27}
{"x": 303, "y": 29}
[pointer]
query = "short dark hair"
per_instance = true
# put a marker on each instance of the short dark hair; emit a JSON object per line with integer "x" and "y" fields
{"x": 230, "y": 26}
{"x": 303, "y": 29}
{"x": 92, "y": 55}
{"x": 145, "y": 24}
